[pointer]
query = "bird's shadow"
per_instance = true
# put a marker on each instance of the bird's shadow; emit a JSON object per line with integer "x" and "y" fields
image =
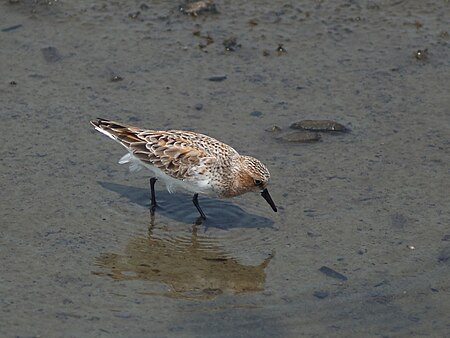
{"x": 221, "y": 214}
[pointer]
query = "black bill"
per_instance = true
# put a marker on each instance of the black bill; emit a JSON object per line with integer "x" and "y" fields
{"x": 266, "y": 195}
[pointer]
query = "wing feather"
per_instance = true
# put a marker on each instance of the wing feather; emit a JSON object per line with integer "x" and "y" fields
{"x": 179, "y": 154}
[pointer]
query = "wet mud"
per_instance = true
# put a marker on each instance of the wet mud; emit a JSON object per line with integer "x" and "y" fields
{"x": 360, "y": 244}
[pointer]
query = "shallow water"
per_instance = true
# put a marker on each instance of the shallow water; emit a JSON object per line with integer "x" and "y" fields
{"x": 80, "y": 253}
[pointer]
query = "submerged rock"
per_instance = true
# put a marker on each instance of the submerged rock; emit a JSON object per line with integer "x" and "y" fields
{"x": 319, "y": 125}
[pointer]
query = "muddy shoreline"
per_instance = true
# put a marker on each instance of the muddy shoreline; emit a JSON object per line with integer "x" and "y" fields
{"x": 360, "y": 244}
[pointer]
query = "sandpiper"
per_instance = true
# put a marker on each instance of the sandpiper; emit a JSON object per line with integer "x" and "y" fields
{"x": 188, "y": 160}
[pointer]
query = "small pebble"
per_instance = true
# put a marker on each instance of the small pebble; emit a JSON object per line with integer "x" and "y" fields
{"x": 421, "y": 54}
{"x": 281, "y": 49}
{"x": 362, "y": 251}
{"x": 218, "y": 78}
{"x": 116, "y": 78}
{"x": 256, "y": 113}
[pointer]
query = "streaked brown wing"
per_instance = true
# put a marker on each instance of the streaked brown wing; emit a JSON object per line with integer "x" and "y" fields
{"x": 174, "y": 152}
{"x": 175, "y": 156}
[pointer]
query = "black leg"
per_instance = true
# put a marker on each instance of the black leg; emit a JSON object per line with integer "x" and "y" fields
{"x": 195, "y": 200}
{"x": 152, "y": 188}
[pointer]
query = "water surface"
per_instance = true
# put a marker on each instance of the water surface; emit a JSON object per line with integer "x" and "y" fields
{"x": 80, "y": 253}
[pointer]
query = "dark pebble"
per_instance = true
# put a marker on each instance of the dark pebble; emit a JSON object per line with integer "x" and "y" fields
{"x": 281, "y": 49}
{"x": 218, "y": 78}
{"x": 332, "y": 273}
{"x": 421, "y": 54}
{"x": 256, "y": 113}
{"x": 11, "y": 28}
{"x": 319, "y": 125}
{"x": 116, "y": 78}
{"x": 362, "y": 251}
{"x": 199, "y": 106}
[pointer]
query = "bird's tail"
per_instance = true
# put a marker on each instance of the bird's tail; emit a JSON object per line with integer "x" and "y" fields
{"x": 122, "y": 133}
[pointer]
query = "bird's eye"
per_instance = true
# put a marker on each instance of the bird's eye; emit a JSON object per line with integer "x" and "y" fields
{"x": 258, "y": 182}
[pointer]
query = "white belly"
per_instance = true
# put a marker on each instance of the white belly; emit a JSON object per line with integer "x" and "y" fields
{"x": 198, "y": 184}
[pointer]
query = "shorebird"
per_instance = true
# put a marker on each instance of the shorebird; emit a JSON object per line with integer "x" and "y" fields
{"x": 188, "y": 160}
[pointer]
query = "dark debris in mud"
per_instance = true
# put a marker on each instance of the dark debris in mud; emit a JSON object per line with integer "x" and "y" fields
{"x": 332, "y": 273}
{"x": 198, "y": 7}
{"x": 208, "y": 40}
{"x": 51, "y": 54}
{"x": 281, "y": 50}
{"x": 11, "y": 28}
{"x": 321, "y": 294}
{"x": 231, "y": 44}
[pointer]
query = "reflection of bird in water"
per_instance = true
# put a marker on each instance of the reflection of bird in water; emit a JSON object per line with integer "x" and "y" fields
{"x": 193, "y": 267}
{"x": 188, "y": 160}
